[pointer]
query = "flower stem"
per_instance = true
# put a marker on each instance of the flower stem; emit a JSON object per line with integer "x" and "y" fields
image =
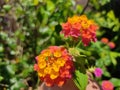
{"x": 78, "y": 44}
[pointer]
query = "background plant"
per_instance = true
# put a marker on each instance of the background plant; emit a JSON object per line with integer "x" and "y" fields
{"x": 28, "y": 26}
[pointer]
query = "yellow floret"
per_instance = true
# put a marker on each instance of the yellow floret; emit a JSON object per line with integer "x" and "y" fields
{"x": 48, "y": 70}
{"x": 57, "y": 54}
{"x": 46, "y": 53}
{"x": 56, "y": 67}
{"x": 60, "y": 62}
{"x": 73, "y": 19}
{"x": 42, "y": 64}
{"x": 83, "y": 18}
{"x": 41, "y": 73}
{"x": 54, "y": 75}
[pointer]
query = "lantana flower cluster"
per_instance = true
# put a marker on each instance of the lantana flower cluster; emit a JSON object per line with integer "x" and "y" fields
{"x": 80, "y": 27}
{"x": 54, "y": 65}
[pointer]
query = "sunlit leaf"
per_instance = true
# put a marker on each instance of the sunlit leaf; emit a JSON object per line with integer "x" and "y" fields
{"x": 113, "y": 56}
{"x": 50, "y": 6}
{"x": 115, "y": 81}
{"x": 1, "y": 78}
{"x": 81, "y": 80}
{"x": 7, "y": 7}
{"x": 35, "y": 2}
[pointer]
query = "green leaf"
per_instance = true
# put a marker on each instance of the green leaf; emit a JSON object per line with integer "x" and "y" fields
{"x": 79, "y": 8}
{"x": 113, "y": 56}
{"x": 115, "y": 81}
{"x": 13, "y": 80}
{"x": 1, "y": 48}
{"x": 103, "y": 2}
{"x": 1, "y": 78}
{"x": 107, "y": 74}
{"x": 117, "y": 25}
{"x": 81, "y": 80}
{"x": 35, "y": 2}
{"x": 50, "y": 6}
{"x": 17, "y": 85}
{"x": 96, "y": 4}
{"x": 10, "y": 69}
{"x": 111, "y": 15}
{"x": 99, "y": 63}
{"x": 80, "y": 63}
{"x": 7, "y": 7}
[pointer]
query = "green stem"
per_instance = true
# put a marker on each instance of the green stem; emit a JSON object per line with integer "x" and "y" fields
{"x": 38, "y": 81}
{"x": 78, "y": 44}
{"x": 67, "y": 45}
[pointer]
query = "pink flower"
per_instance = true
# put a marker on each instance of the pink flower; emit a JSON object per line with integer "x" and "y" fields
{"x": 98, "y": 72}
{"x": 107, "y": 85}
{"x": 111, "y": 45}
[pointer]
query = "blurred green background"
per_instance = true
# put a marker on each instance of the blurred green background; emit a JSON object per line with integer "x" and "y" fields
{"x": 29, "y": 26}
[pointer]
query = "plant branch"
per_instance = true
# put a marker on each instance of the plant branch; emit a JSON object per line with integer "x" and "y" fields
{"x": 85, "y": 7}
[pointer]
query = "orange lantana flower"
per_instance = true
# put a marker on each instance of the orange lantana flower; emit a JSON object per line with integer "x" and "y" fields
{"x": 54, "y": 65}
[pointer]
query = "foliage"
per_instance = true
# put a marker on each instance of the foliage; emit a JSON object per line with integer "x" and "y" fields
{"x": 29, "y": 26}
{"x": 80, "y": 80}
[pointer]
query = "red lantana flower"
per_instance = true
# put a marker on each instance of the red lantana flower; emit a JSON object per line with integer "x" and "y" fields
{"x": 80, "y": 27}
